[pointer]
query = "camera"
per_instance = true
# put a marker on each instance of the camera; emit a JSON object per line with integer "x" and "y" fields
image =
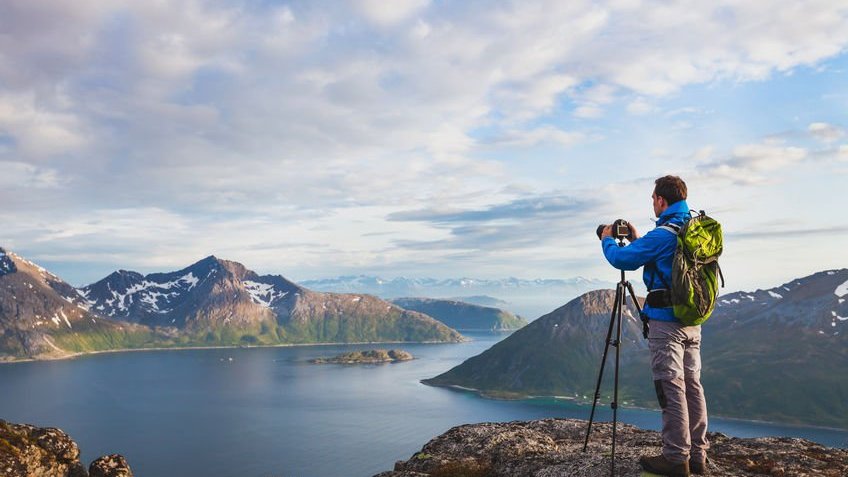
{"x": 620, "y": 230}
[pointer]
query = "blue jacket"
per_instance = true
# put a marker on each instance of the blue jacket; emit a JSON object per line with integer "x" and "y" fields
{"x": 654, "y": 250}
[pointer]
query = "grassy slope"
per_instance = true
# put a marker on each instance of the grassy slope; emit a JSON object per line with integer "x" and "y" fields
{"x": 464, "y": 316}
{"x": 768, "y": 378}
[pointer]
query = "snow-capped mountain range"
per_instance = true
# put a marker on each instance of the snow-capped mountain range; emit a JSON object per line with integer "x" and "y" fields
{"x": 212, "y": 302}
{"x": 405, "y": 285}
{"x": 818, "y": 302}
{"x": 528, "y": 297}
{"x": 169, "y": 299}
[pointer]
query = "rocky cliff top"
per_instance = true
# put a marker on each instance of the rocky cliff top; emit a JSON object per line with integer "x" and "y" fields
{"x": 29, "y": 451}
{"x": 553, "y": 447}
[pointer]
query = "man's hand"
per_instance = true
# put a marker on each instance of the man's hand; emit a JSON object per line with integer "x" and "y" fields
{"x": 634, "y": 234}
{"x": 607, "y": 232}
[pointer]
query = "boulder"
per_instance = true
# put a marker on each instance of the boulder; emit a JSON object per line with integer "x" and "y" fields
{"x": 113, "y": 465}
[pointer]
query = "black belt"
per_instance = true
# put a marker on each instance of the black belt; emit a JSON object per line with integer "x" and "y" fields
{"x": 660, "y": 298}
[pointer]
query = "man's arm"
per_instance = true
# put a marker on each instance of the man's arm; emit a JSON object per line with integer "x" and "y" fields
{"x": 639, "y": 252}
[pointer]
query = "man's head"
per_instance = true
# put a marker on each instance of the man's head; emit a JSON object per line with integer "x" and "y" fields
{"x": 667, "y": 191}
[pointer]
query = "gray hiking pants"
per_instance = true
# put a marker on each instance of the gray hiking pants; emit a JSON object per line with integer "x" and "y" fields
{"x": 676, "y": 366}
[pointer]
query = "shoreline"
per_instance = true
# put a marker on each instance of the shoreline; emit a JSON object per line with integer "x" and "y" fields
{"x": 189, "y": 348}
{"x": 528, "y": 397}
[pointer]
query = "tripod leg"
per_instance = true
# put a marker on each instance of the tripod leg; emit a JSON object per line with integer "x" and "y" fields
{"x": 645, "y": 326}
{"x": 633, "y": 296}
{"x": 619, "y": 294}
{"x": 614, "y": 404}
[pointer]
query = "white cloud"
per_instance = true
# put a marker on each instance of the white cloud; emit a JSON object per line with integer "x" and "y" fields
{"x": 542, "y": 135}
{"x": 21, "y": 177}
{"x": 752, "y": 163}
{"x": 588, "y": 111}
{"x": 40, "y": 131}
{"x": 250, "y": 108}
{"x": 390, "y": 13}
{"x": 640, "y": 106}
{"x": 826, "y": 132}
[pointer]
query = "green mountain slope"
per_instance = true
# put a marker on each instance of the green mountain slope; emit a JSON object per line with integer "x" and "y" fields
{"x": 777, "y": 355}
{"x": 463, "y": 316}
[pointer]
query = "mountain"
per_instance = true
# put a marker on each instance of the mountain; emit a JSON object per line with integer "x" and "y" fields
{"x": 483, "y": 300}
{"x": 213, "y": 302}
{"x": 463, "y": 316}
{"x": 531, "y": 298}
{"x": 781, "y": 354}
{"x": 41, "y": 316}
{"x": 778, "y": 354}
{"x": 220, "y": 301}
{"x": 209, "y": 292}
{"x": 557, "y": 354}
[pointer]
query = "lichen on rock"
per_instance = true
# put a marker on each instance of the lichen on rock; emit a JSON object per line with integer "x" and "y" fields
{"x": 29, "y": 451}
{"x": 553, "y": 447}
{"x": 113, "y": 465}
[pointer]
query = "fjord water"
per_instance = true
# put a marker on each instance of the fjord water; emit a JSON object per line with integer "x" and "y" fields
{"x": 267, "y": 412}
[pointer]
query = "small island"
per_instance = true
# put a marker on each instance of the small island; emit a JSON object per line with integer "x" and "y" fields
{"x": 373, "y": 356}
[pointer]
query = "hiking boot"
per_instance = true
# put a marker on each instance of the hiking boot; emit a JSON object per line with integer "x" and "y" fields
{"x": 659, "y": 465}
{"x": 698, "y": 466}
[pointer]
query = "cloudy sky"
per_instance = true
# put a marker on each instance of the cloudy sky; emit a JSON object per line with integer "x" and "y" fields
{"x": 418, "y": 138}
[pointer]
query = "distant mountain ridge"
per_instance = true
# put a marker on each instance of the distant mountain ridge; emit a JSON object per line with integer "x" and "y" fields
{"x": 779, "y": 354}
{"x": 527, "y": 297}
{"x": 403, "y": 284}
{"x": 213, "y": 302}
{"x": 463, "y": 316}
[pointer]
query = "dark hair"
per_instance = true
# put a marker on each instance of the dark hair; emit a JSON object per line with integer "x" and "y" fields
{"x": 670, "y": 188}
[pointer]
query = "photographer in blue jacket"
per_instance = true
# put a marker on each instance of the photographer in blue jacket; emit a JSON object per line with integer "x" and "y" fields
{"x": 675, "y": 348}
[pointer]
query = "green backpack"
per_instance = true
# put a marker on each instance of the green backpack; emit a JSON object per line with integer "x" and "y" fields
{"x": 695, "y": 270}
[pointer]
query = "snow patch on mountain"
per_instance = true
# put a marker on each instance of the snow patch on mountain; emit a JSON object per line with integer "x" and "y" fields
{"x": 156, "y": 296}
{"x": 262, "y": 293}
{"x": 62, "y": 312}
{"x": 775, "y": 295}
{"x": 151, "y": 297}
{"x": 841, "y": 290}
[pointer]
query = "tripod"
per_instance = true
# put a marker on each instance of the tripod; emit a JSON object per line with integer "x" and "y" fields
{"x": 615, "y": 321}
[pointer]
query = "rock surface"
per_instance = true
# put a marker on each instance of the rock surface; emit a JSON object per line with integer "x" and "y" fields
{"x": 29, "y": 451}
{"x": 553, "y": 447}
{"x": 113, "y": 465}
{"x": 367, "y": 357}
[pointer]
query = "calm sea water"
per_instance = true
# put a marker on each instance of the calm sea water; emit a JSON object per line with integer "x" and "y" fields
{"x": 267, "y": 412}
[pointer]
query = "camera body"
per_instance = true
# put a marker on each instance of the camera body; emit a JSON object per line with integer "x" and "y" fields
{"x": 620, "y": 230}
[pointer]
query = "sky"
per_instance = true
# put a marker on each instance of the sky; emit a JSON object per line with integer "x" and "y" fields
{"x": 418, "y": 138}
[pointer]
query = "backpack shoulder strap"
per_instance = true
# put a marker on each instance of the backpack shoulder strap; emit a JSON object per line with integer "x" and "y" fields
{"x": 673, "y": 228}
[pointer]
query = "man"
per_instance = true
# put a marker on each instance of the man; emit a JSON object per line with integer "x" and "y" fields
{"x": 675, "y": 348}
